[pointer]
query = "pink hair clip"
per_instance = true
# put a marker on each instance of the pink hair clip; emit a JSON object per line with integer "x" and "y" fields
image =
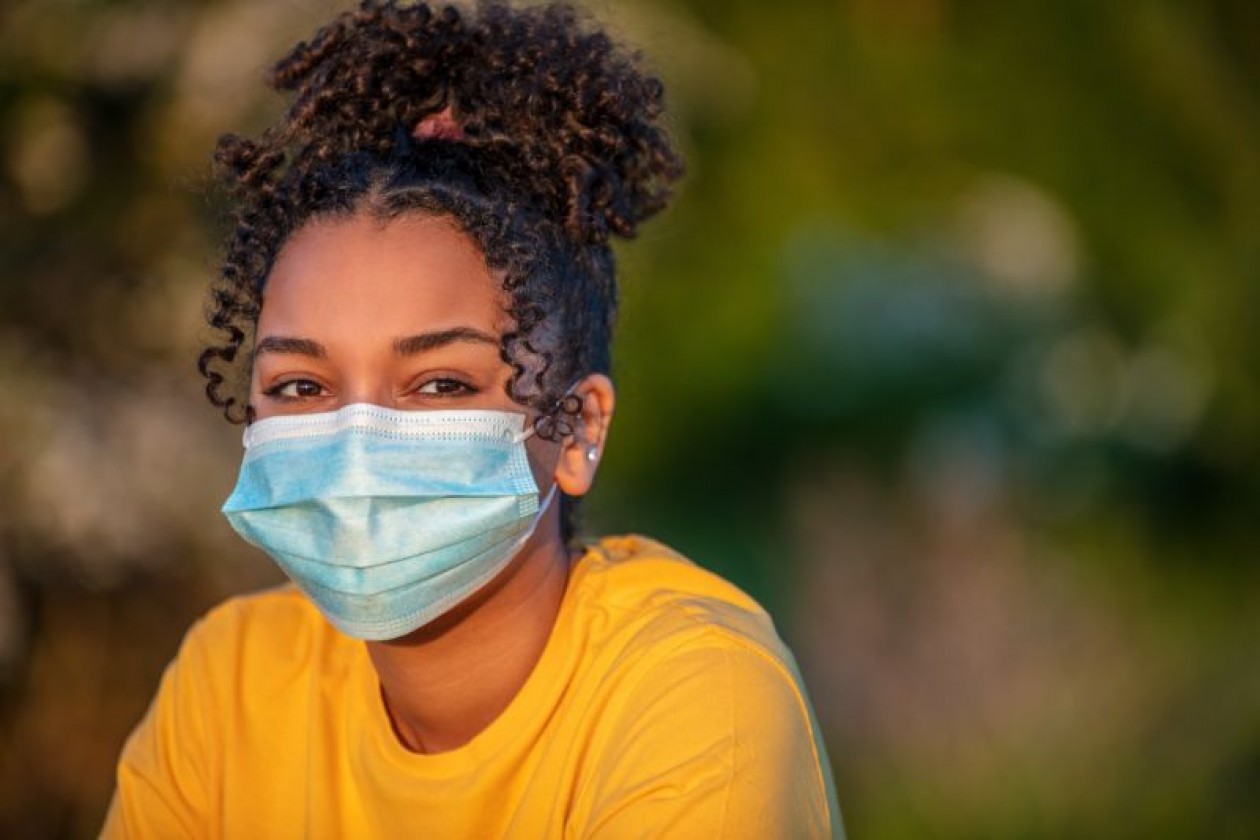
{"x": 439, "y": 126}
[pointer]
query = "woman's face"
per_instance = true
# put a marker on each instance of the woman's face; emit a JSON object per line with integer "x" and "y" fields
{"x": 403, "y": 314}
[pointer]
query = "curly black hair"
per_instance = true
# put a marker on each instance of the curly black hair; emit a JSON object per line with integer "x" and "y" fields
{"x": 560, "y": 145}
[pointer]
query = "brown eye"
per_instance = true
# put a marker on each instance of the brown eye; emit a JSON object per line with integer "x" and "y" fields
{"x": 444, "y": 387}
{"x": 296, "y": 389}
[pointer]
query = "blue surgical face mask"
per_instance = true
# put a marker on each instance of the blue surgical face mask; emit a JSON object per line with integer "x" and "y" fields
{"x": 387, "y": 519}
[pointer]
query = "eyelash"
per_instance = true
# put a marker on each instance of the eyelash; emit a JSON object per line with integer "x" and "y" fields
{"x": 461, "y": 389}
{"x": 274, "y": 390}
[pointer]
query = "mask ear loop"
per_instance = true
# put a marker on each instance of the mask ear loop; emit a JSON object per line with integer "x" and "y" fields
{"x": 570, "y": 403}
{"x": 549, "y": 425}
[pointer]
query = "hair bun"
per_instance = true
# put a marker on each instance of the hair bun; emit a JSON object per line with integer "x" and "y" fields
{"x": 563, "y": 114}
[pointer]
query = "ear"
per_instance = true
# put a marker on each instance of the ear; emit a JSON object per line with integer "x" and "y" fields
{"x": 580, "y": 454}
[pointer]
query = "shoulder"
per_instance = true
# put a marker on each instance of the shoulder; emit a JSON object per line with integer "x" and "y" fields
{"x": 705, "y": 712}
{"x": 675, "y": 616}
{"x": 281, "y": 607}
{"x": 262, "y": 636}
{"x": 666, "y": 602}
{"x": 239, "y": 658}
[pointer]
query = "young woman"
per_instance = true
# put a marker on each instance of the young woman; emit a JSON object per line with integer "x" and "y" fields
{"x": 420, "y": 292}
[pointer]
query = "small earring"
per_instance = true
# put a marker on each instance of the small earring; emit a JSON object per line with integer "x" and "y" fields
{"x": 592, "y": 454}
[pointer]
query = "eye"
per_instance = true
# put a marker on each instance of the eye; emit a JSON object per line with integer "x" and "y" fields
{"x": 445, "y": 387}
{"x": 295, "y": 389}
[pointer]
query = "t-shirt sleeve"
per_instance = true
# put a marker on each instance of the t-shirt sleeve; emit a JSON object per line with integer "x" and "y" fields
{"x": 716, "y": 740}
{"x": 162, "y": 786}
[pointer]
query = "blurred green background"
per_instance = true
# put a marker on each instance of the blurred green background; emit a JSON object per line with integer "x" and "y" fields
{"x": 949, "y": 352}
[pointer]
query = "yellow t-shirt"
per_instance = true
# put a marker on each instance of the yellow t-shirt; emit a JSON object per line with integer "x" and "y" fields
{"x": 663, "y": 705}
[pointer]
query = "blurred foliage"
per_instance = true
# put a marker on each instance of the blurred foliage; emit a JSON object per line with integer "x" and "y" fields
{"x": 948, "y": 352}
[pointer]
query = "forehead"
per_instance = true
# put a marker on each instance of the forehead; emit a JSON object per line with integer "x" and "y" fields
{"x": 360, "y": 278}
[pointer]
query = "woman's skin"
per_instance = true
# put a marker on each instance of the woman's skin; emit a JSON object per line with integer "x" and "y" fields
{"x": 405, "y": 314}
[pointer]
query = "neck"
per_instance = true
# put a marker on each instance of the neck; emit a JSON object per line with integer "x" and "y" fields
{"x": 450, "y": 679}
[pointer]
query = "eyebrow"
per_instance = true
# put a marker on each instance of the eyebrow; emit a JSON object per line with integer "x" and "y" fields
{"x": 284, "y": 344}
{"x": 408, "y": 346}
{"x": 423, "y": 342}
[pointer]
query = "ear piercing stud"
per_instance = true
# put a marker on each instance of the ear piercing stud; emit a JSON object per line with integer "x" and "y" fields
{"x": 592, "y": 454}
